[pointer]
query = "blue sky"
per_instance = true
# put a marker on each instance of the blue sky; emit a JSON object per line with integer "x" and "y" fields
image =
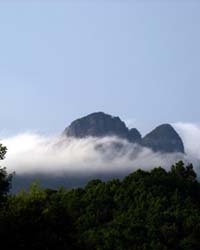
{"x": 60, "y": 60}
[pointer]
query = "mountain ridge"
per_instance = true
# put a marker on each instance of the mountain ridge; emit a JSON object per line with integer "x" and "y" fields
{"x": 163, "y": 138}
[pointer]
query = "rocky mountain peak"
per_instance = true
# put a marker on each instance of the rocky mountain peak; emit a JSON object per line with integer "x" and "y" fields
{"x": 165, "y": 139}
{"x": 100, "y": 124}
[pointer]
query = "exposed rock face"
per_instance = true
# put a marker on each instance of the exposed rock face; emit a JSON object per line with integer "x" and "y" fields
{"x": 134, "y": 136}
{"x": 163, "y": 139}
{"x": 99, "y": 125}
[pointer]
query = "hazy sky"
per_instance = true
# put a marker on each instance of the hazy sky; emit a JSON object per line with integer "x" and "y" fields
{"x": 61, "y": 60}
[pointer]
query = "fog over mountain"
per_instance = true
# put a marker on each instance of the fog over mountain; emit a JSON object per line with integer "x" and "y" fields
{"x": 163, "y": 139}
{"x": 97, "y": 145}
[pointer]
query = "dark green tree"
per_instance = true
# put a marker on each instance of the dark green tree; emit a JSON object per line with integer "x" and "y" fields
{"x": 147, "y": 210}
{"x": 5, "y": 178}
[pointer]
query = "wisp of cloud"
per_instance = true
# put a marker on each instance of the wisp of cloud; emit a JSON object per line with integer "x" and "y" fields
{"x": 31, "y": 153}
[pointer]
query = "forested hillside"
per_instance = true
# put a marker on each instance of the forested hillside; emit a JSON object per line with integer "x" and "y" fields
{"x": 155, "y": 210}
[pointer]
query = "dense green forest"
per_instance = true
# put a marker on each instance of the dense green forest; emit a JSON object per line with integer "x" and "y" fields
{"x": 147, "y": 210}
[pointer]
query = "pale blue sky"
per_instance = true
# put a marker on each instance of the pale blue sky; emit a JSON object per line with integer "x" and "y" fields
{"x": 61, "y": 60}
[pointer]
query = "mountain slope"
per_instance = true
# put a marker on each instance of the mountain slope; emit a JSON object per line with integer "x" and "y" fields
{"x": 163, "y": 139}
{"x": 100, "y": 124}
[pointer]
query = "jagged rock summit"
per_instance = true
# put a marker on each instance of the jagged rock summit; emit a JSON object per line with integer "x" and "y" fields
{"x": 163, "y": 139}
{"x": 100, "y": 124}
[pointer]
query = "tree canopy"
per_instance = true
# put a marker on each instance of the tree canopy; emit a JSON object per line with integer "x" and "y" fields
{"x": 147, "y": 210}
{"x": 5, "y": 178}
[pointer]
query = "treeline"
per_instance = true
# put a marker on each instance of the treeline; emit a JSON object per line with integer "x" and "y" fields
{"x": 147, "y": 210}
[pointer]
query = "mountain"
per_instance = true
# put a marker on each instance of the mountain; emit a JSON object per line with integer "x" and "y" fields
{"x": 163, "y": 139}
{"x": 100, "y": 124}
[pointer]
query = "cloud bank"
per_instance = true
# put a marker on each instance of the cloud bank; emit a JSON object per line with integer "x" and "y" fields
{"x": 31, "y": 153}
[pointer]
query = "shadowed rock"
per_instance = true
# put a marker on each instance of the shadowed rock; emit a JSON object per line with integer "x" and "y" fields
{"x": 164, "y": 139}
{"x": 100, "y": 125}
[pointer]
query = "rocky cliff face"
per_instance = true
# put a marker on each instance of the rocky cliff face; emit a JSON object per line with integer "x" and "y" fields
{"x": 99, "y": 125}
{"x": 162, "y": 139}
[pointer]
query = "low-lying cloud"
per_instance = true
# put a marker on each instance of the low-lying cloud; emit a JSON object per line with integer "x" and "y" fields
{"x": 31, "y": 153}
